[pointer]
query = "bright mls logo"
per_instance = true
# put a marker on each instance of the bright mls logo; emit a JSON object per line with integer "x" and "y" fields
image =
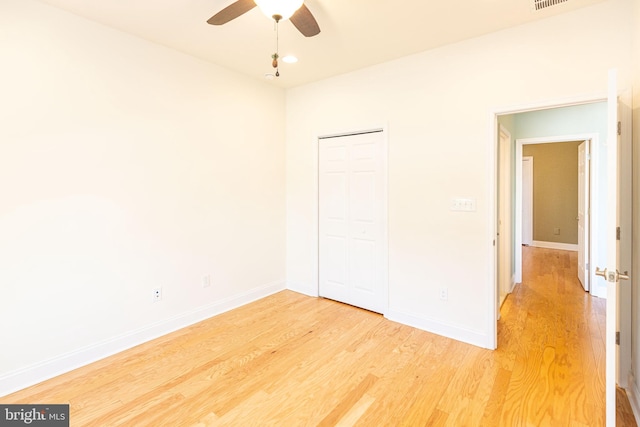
{"x": 34, "y": 415}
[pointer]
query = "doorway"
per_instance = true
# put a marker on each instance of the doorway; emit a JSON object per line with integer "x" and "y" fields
{"x": 603, "y": 175}
{"x": 577, "y": 118}
{"x": 579, "y": 211}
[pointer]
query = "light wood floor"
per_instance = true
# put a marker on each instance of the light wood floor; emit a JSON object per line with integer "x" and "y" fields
{"x": 291, "y": 360}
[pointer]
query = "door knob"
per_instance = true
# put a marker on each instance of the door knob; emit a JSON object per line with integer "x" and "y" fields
{"x": 611, "y": 276}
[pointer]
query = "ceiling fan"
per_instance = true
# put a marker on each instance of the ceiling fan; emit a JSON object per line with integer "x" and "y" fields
{"x": 294, "y": 10}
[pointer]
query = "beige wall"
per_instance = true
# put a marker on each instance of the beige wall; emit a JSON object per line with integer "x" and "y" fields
{"x": 555, "y": 191}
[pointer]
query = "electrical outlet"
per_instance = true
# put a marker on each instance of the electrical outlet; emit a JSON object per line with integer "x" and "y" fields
{"x": 156, "y": 295}
{"x": 444, "y": 294}
{"x": 556, "y": 231}
{"x": 206, "y": 281}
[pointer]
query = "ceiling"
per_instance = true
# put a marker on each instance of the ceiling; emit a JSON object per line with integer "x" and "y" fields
{"x": 355, "y": 33}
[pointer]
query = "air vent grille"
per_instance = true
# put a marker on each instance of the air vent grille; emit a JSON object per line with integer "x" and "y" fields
{"x": 543, "y": 4}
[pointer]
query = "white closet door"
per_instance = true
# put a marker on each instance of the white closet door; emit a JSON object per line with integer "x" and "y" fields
{"x": 352, "y": 250}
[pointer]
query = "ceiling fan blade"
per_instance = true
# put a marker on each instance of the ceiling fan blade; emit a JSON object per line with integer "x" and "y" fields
{"x": 231, "y": 12}
{"x": 305, "y": 22}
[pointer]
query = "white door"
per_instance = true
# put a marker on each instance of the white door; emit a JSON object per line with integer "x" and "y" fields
{"x": 610, "y": 273}
{"x": 352, "y": 220}
{"x": 504, "y": 215}
{"x": 583, "y": 214}
{"x": 527, "y": 200}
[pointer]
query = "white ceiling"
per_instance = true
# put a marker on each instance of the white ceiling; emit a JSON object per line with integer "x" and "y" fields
{"x": 355, "y": 33}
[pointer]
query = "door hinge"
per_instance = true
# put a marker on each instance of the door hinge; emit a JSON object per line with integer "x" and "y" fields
{"x": 494, "y": 242}
{"x": 618, "y": 338}
{"x": 617, "y": 233}
{"x": 619, "y": 128}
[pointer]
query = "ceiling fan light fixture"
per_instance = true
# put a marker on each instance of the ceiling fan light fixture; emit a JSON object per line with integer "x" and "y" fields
{"x": 283, "y": 8}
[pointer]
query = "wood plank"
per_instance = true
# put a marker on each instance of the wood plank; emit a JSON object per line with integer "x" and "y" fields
{"x": 356, "y": 411}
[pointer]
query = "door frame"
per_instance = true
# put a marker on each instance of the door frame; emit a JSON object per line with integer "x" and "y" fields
{"x": 315, "y": 238}
{"x": 492, "y": 156}
{"x": 592, "y": 139}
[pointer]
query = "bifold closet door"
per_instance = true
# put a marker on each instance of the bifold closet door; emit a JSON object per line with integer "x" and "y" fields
{"x": 351, "y": 214}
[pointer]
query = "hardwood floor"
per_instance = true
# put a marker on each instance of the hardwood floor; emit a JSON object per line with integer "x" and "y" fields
{"x": 291, "y": 360}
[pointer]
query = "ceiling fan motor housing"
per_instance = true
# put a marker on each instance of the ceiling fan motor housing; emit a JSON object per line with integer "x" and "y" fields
{"x": 282, "y": 8}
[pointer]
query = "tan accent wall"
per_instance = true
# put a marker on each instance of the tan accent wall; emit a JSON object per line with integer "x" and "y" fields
{"x": 555, "y": 191}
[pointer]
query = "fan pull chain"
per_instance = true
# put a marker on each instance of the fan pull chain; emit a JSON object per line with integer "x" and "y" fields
{"x": 275, "y": 56}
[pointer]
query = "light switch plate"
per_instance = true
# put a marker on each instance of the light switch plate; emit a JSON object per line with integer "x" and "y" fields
{"x": 463, "y": 204}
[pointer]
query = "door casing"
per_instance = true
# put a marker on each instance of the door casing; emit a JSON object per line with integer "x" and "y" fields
{"x": 492, "y": 156}
{"x": 593, "y": 196}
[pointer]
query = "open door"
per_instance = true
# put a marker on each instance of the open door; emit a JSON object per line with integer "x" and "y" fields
{"x": 505, "y": 245}
{"x": 527, "y": 202}
{"x": 611, "y": 273}
{"x": 583, "y": 214}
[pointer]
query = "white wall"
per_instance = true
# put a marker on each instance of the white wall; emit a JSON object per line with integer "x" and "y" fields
{"x": 438, "y": 106}
{"x": 126, "y": 166}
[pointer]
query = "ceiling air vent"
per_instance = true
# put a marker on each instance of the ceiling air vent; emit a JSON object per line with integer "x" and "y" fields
{"x": 543, "y": 4}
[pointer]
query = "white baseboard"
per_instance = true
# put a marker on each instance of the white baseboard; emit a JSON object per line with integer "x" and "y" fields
{"x": 447, "y": 330}
{"x": 634, "y": 397}
{"x": 450, "y": 331}
{"x": 30, "y": 375}
{"x": 555, "y": 245}
{"x": 303, "y": 288}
